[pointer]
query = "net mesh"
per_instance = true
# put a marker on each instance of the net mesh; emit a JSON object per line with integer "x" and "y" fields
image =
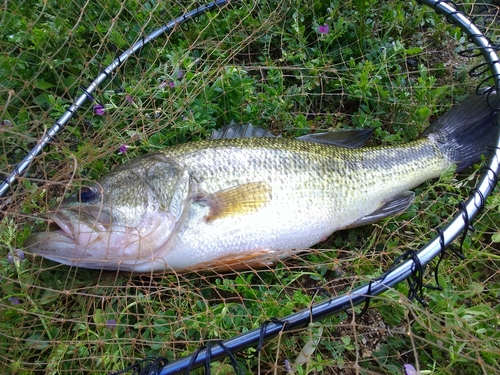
{"x": 287, "y": 66}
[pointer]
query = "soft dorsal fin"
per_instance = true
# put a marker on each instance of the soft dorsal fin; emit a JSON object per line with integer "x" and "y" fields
{"x": 236, "y": 200}
{"x": 343, "y": 138}
{"x": 390, "y": 208}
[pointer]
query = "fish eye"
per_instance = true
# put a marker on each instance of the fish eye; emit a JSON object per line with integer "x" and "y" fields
{"x": 86, "y": 193}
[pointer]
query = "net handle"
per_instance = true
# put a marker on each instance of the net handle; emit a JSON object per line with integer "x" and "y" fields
{"x": 107, "y": 73}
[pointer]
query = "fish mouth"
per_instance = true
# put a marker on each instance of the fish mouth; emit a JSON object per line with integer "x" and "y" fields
{"x": 68, "y": 229}
{"x": 70, "y": 222}
{"x": 72, "y": 237}
{"x": 65, "y": 229}
{"x": 86, "y": 238}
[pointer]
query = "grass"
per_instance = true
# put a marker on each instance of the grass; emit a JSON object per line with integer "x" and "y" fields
{"x": 390, "y": 66}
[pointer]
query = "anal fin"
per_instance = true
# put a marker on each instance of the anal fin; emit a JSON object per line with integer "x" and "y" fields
{"x": 390, "y": 208}
{"x": 237, "y": 262}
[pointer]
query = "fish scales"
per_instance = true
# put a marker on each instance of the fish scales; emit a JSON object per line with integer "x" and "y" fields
{"x": 336, "y": 186}
{"x": 246, "y": 202}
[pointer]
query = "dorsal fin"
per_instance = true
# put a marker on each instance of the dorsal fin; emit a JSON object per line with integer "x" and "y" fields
{"x": 234, "y": 130}
{"x": 344, "y": 138}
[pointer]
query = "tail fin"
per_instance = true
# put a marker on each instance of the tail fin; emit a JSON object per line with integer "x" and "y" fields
{"x": 464, "y": 132}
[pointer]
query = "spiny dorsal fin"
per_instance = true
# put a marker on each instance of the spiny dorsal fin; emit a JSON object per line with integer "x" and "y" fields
{"x": 390, "y": 208}
{"x": 236, "y": 200}
{"x": 240, "y": 131}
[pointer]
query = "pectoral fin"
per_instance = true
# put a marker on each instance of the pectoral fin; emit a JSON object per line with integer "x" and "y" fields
{"x": 236, "y": 200}
{"x": 390, "y": 208}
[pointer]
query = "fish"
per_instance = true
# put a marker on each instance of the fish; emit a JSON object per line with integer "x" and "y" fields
{"x": 246, "y": 199}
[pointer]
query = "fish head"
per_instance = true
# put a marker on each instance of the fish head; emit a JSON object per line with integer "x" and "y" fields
{"x": 122, "y": 221}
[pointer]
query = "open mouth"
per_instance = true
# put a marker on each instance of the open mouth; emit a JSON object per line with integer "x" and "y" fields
{"x": 60, "y": 223}
{"x": 65, "y": 226}
{"x": 62, "y": 226}
{"x": 70, "y": 231}
{"x": 69, "y": 222}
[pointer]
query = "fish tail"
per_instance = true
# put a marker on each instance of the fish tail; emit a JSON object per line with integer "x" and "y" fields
{"x": 464, "y": 133}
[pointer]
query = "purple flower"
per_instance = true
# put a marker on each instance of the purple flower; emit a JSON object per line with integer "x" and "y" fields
{"x": 123, "y": 149}
{"x": 17, "y": 254}
{"x": 324, "y": 29}
{"x": 99, "y": 110}
{"x": 180, "y": 74}
{"x": 129, "y": 98}
{"x": 14, "y": 300}
{"x": 111, "y": 324}
{"x": 410, "y": 370}
{"x": 6, "y": 123}
{"x": 167, "y": 83}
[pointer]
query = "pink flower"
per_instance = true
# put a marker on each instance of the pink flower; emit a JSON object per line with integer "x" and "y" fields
{"x": 324, "y": 29}
{"x": 123, "y": 149}
{"x": 129, "y": 98}
{"x": 99, "y": 110}
{"x": 171, "y": 84}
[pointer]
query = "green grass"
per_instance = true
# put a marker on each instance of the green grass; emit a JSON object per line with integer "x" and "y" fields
{"x": 389, "y": 66}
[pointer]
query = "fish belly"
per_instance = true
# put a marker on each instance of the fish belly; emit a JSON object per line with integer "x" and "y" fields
{"x": 272, "y": 233}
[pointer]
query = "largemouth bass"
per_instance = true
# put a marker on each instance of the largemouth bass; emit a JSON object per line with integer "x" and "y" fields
{"x": 246, "y": 202}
